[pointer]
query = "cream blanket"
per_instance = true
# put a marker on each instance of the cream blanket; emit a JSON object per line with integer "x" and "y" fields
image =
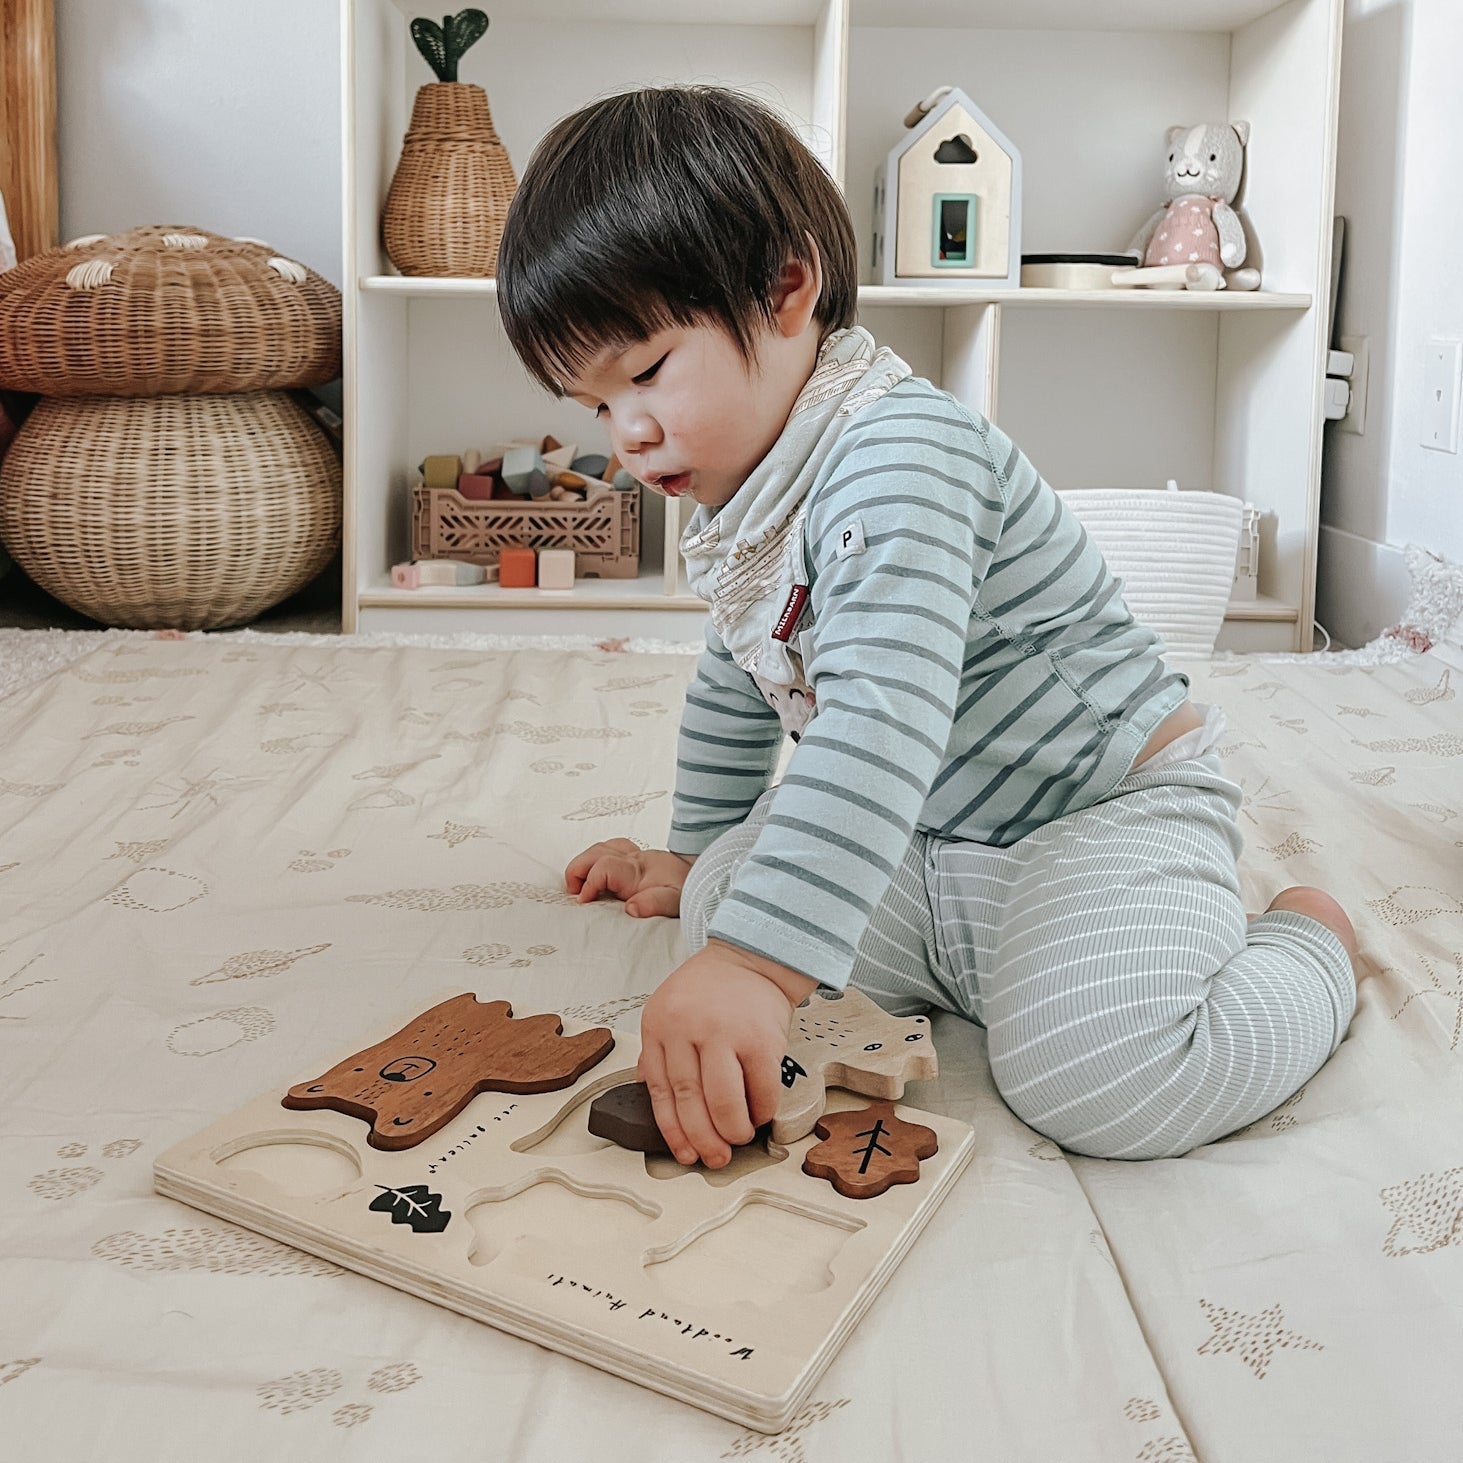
{"x": 220, "y": 860}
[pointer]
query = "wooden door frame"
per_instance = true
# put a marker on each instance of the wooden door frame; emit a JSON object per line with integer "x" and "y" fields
{"x": 28, "y": 123}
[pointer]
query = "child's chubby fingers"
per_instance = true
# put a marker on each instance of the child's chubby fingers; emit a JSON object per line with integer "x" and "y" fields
{"x": 656, "y": 899}
{"x": 580, "y": 865}
{"x": 651, "y": 1071}
{"x": 762, "y": 1080}
{"x": 724, "y": 1088}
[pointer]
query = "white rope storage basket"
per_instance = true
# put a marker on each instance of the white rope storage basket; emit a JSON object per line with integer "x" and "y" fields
{"x": 1174, "y": 552}
{"x": 161, "y": 512}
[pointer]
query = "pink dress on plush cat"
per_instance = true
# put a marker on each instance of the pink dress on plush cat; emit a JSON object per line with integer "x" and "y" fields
{"x": 1187, "y": 234}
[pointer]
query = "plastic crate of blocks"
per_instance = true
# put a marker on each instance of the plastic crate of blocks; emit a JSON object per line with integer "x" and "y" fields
{"x": 603, "y": 530}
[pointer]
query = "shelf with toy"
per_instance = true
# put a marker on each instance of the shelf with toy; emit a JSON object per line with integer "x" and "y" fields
{"x": 647, "y": 591}
{"x": 902, "y": 296}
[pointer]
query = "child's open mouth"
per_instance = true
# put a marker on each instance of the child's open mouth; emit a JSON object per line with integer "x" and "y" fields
{"x": 674, "y": 485}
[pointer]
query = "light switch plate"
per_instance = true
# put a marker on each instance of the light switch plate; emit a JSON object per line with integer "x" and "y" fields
{"x": 1440, "y": 377}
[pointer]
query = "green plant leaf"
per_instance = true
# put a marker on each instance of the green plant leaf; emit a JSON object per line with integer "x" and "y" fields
{"x": 433, "y": 46}
{"x": 462, "y": 30}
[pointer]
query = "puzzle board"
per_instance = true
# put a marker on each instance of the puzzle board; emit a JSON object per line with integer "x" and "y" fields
{"x": 729, "y": 1289}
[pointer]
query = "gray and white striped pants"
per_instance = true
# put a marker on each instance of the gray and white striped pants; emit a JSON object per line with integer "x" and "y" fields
{"x": 1131, "y": 1011}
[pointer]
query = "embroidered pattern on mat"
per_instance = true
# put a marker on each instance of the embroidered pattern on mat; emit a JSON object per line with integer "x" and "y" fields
{"x": 251, "y": 964}
{"x": 1429, "y": 1209}
{"x": 219, "y": 1251}
{"x": 1254, "y": 1337}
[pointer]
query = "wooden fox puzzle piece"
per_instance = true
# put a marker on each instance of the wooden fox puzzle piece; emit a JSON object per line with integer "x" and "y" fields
{"x": 412, "y": 1083}
{"x": 847, "y": 1041}
{"x": 867, "y": 1150}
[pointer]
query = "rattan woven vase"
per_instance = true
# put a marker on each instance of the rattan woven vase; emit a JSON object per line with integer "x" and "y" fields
{"x": 170, "y": 512}
{"x": 452, "y": 187}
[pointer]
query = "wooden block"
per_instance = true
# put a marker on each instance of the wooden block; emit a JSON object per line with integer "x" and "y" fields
{"x": 868, "y": 1150}
{"x": 519, "y": 466}
{"x": 591, "y": 464}
{"x": 517, "y": 568}
{"x": 471, "y": 460}
{"x": 559, "y": 458}
{"x": 569, "y": 480}
{"x": 849, "y": 1041}
{"x": 556, "y": 568}
{"x": 477, "y": 486}
{"x": 441, "y": 472}
{"x": 412, "y": 1083}
{"x": 427, "y": 572}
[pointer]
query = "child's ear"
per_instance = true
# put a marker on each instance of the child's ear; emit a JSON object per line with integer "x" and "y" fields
{"x": 798, "y": 288}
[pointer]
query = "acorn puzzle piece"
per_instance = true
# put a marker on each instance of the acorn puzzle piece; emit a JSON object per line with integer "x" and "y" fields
{"x": 414, "y": 1082}
{"x": 868, "y": 1150}
{"x": 847, "y": 1040}
{"x": 624, "y": 1116}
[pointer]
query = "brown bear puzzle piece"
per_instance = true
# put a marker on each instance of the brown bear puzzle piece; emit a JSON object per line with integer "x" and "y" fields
{"x": 412, "y": 1083}
{"x": 868, "y": 1149}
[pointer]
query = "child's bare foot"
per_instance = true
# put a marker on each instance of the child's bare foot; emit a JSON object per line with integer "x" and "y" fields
{"x": 1318, "y": 905}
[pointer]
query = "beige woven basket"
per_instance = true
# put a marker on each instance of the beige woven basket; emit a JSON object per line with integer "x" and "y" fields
{"x": 187, "y": 512}
{"x": 450, "y": 194}
{"x": 165, "y": 309}
{"x": 1174, "y": 553}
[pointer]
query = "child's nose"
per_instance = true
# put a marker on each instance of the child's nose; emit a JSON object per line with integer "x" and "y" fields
{"x": 635, "y": 432}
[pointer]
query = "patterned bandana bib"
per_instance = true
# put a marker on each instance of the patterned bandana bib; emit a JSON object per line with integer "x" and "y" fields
{"x": 745, "y": 557}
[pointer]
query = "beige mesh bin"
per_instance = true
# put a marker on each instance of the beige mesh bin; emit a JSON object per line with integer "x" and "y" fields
{"x": 187, "y": 512}
{"x": 603, "y": 530}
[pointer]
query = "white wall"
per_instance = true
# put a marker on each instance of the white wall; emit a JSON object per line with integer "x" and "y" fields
{"x": 1398, "y": 187}
{"x": 222, "y": 114}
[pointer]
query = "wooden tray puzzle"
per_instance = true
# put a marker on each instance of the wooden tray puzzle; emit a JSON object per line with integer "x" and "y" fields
{"x": 728, "y": 1289}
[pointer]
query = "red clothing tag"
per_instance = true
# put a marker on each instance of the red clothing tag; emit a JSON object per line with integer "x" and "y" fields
{"x": 788, "y": 619}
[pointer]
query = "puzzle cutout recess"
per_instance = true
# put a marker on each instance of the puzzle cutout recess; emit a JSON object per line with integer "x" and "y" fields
{"x": 457, "y": 1159}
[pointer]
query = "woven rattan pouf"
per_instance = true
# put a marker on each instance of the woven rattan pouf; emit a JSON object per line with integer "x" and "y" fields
{"x": 186, "y": 512}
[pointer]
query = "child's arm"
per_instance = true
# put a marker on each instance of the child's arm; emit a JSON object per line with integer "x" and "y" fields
{"x": 728, "y": 747}
{"x": 901, "y": 537}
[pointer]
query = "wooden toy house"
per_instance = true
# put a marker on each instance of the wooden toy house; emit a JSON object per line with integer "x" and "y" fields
{"x": 947, "y": 199}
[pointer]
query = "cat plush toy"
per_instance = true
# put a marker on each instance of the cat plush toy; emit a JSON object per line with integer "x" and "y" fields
{"x": 1197, "y": 239}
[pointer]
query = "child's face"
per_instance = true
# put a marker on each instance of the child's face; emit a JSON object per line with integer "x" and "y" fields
{"x": 686, "y": 414}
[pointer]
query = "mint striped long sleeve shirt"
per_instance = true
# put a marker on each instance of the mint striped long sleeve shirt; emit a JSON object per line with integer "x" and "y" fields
{"x": 975, "y": 670}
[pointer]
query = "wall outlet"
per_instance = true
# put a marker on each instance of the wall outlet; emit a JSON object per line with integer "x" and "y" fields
{"x": 1442, "y": 370}
{"x": 1355, "y": 418}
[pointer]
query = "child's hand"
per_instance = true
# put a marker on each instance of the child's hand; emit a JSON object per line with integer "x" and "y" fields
{"x": 647, "y": 880}
{"x": 712, "y": 1039}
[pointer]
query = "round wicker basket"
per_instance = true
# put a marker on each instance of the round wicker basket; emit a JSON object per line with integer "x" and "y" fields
{"x": 186, "y": 512}
{"x": 165, "y": 309}
{"x": 452, "y": 187}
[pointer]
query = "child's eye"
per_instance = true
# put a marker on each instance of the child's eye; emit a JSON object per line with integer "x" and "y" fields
{"x": 649, "y": 375}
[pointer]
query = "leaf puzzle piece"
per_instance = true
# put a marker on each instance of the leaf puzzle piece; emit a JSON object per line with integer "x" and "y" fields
{"x": 847, "y": 1041}
{"x": 412, "y": 1083}
{"x": 868, "y": 1150}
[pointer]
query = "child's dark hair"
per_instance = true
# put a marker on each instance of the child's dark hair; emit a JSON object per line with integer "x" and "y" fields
{"x": 665, "y": 206}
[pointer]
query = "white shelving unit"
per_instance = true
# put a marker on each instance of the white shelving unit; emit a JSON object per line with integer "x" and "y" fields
{"x": 1102, "y": 389}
